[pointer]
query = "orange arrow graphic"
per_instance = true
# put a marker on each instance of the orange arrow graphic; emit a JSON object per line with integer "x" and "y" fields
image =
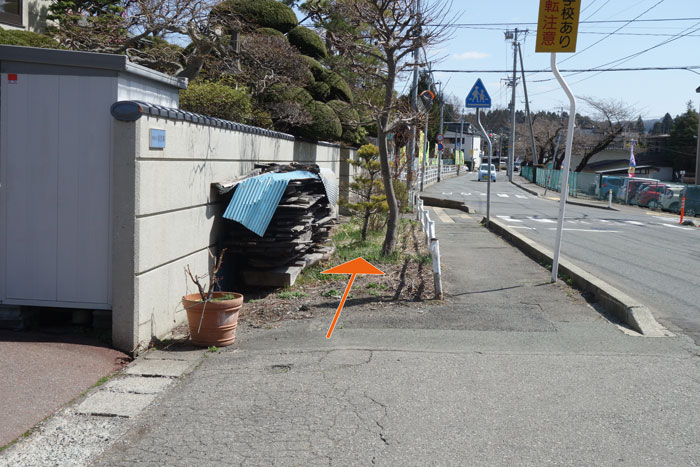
{"x": 354, "y": 267}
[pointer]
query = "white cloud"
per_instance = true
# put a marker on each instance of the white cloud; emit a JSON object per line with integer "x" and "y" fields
{"x": 470, "y": 56}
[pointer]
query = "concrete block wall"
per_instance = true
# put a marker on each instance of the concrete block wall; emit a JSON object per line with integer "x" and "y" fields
{"x": 167, "y": 216}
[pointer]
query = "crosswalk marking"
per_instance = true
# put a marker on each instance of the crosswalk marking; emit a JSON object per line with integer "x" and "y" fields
{"x": 586, "y": 230}
{"x": 443, "y": 216}
{"x": 509, "y": 219}
{"x": 521, "y": 196}
{"x": 544, "y": 221}
{"x": 502, "y": 195}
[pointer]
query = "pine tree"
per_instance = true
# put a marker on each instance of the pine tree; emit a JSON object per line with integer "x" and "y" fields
{"x": 367, "y": 186}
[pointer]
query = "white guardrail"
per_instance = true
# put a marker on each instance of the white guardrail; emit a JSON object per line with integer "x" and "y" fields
{"x": 428, "y": 226}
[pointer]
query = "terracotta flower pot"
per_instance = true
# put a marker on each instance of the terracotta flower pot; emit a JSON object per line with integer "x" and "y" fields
{"x": 219, "y": 322}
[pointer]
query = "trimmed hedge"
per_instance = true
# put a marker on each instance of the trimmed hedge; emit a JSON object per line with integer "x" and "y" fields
{"x": 308, "y": 42}
{"x": 264, "y": 13}
{"x": 325, "y": 124}
{"x": 339, "y": 88}
{"x": 27, "y": 39}
{"x": 315, "y": 67}
{"x": 269, "y": 32}
{"x": 353, "y": 133}
{"x": 320, "y": 90}
{"x": 217, "y": 100}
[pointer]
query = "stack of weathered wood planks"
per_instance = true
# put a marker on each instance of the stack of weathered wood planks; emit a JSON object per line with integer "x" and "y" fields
{"x": 296, "y": 237}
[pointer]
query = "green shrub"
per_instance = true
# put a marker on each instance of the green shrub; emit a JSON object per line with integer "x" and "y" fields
{"x": 353, "y": 133}
{"x": 339, "y": 88}
{"x": 315, "y": 67}
{"x": 281, "y": 93}
{"x": 319, "y": 90}
{"x": 217, "y": 100}
{"x": 26, "y": 39}
{"x": 325, "y": 124}
{"x": 269, "y": 32}
{"x": 263, "y": 13}
{"x": 308, "y": 42}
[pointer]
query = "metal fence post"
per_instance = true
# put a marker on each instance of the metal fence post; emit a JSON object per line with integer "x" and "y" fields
{"x": 437, "y": 273}
{"x": 610, "y": 199}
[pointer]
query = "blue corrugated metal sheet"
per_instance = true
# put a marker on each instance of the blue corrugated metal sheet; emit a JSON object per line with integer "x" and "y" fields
{"x": 255, "y": 200}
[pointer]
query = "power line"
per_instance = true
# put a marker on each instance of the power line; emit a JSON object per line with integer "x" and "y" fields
{"x": 583, "y": 70}
{"x": 618, "y": 29}
{"x": 651, "y": 20}
{"x": 627, "y": 58}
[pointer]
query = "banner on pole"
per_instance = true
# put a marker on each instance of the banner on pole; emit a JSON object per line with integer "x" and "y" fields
{"x": 557, "y": 25}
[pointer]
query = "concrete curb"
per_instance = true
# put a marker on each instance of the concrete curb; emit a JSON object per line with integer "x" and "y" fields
{"x": 622, "y": 306}
{"x": 568, "y": 200}
{"x": 528, "y": 190}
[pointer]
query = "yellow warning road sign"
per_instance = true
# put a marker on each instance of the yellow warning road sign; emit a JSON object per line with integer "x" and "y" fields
{"x": 557, "y": 25}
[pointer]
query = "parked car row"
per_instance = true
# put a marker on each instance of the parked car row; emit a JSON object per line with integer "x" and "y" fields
{"x": 650, "y": 193}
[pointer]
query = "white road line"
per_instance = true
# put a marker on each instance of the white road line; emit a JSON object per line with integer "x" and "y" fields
{"x": 443, "y": 216}
{"x": 603, "y": 220}
{"x": 446, "y": 193}
{"x": 587, "y": 230}
{"x": 584, "y": 222}
{"x": 509, "y": 219}
{"x": 676, "y": 226}
{"x": 482, "y": 194}
{"x": 465, "y": 194}
{"x": 634, "y": 222}
{"x": 543, "y": 221}
{"x": 521, "y": 196}
{"x": 572, "y": 222}
{"x": 502, "y": 195}
{"x": 521, "y": 227}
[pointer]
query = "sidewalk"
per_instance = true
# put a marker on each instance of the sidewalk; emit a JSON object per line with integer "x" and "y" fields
{"x": 509, "y": 370}
{"x": 537, "y": 190}
{"x": 42, "y": 371}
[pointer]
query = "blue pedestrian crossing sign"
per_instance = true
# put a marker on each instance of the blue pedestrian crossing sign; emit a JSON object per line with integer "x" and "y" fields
{"x": 478, "y": 98}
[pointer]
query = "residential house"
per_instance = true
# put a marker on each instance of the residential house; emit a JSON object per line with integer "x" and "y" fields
{"x": 26, "y": 15}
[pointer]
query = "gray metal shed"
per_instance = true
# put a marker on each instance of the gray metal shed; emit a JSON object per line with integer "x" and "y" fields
{"x": 56, "y": 142}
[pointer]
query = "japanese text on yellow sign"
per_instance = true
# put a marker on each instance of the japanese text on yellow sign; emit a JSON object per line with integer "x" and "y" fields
{"x": 557, "y": 26}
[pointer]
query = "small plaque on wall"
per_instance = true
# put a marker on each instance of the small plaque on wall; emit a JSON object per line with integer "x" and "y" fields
{"x": 157, "y": 139}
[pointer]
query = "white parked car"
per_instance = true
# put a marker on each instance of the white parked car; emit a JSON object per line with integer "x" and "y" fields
{"x": 484, "y": 173}
{"x": 670, "y": 200}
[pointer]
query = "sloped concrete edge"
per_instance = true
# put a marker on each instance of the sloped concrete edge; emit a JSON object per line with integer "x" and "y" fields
{"x": 446, "y": 203}
{"x": 622, "y": 306}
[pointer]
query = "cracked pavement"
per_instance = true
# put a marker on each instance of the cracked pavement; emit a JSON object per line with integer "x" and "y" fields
{"x": 510, "y": 370}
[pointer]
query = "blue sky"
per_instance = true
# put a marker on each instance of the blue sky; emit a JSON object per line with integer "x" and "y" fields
{"x": 650, "y": 93}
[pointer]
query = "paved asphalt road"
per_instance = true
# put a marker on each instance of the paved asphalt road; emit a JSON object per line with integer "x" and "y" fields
{"x": 646, "y": 254}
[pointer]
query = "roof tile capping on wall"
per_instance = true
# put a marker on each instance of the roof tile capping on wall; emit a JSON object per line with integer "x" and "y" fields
{"x": 128, "y": 111}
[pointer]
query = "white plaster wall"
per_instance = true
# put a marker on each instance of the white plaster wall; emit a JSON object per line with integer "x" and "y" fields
{"x": 176, "y": 212}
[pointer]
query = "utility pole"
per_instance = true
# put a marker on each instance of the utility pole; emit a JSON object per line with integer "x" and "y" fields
{"x": 697, "y": 154}
{"x": 527, "y": 107}
{"x": 425, "y": 138}
{"x": 511, "y": 152}
{"x": 461, "y": 143}
{"x": 442, "y": 108}
{"x": 411, "y": 154}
